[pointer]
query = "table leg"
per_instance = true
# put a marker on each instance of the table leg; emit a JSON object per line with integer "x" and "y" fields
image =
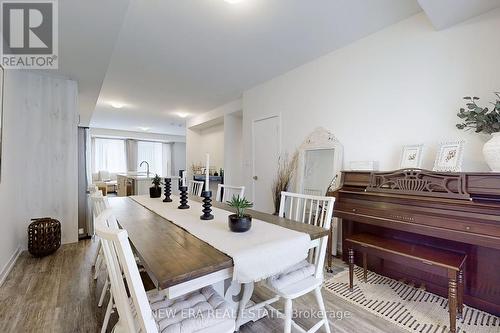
{"x": 351, "y": 268}
{"x": 329, "y": 252}
{"x": 246, "y": 294}
{"x": 460, "y": 299}
{"x": 452, "y": 299}
{"x": 365, "y": 267}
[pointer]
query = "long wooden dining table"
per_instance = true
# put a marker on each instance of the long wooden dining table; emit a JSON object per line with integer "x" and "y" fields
{"x": 178, "y": 262}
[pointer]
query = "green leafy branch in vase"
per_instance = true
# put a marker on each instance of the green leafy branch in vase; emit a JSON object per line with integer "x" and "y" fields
{"x": 481, "y": 119}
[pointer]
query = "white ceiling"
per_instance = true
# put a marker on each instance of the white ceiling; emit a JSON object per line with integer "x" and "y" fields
{"x": 160, "y": 57}
{"x": 194, "y": 55}
{"x": 88, "y": 31}
{"x": 445, "y": 13}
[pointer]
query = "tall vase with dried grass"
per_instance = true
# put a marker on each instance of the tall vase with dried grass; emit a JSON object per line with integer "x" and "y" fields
{"x": 287, "y": 166}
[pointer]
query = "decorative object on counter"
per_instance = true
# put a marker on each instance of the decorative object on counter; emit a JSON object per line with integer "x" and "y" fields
{"x": 286, "y": 170}
{"x": 197, "y": 169}
{"x": 168, "y": 190}
{"x": 450, "y": 156}
{"x": 221, "y": 172}
{"x": 411, "y": 157}
{"x": 239, "y": 222}
{"x": 487, "y": 121}
{"x": 44, "y": 236}
{"x": 155, "y": 191}
{"x": 207, "y": 205}
{"x": 184, "y": 197}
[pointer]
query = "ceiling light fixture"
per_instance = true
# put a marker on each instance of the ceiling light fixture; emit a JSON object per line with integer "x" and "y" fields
{"x": 182, "y": 114}
{"x": 233, "y": 1}
{"x": 117, "y": 105}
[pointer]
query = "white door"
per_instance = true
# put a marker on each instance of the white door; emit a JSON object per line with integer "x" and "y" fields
{"x": 266, "y": 150}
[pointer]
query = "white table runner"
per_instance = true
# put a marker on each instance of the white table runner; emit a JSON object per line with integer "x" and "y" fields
{"x": 263, "y": 251}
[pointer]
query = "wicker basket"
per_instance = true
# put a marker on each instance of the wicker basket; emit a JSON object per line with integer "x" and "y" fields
{"x": 44, "y": 236}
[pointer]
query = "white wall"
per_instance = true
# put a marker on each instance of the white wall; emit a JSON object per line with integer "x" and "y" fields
{"x": 215, "y": 114}
{"x": 402, "y": 85}
{"x": 39, "y": 157}
{"x": 211, "y": 140}
{"x": 233, "y": 149}
{"x": 178, "y": 157}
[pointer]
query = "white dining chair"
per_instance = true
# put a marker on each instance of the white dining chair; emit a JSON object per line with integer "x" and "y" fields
{"x": 106, "y": 217}
{"x": 226, "y": 192}
{"x": 99, "y": 204}
{"x": 195, "y": 187}
{"x": 306, "y": 276}
{"x": 151, "y": 312}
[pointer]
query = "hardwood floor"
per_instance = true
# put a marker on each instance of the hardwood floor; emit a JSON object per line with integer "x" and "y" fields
{"x": 57, "y": 294}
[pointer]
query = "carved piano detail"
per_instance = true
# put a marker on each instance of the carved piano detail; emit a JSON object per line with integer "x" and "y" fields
{"x": 419, "y": 182}
{"x": 457, "y": 212}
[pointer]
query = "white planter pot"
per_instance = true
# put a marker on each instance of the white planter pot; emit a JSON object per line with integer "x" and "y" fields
{"x": 491, "y": 152}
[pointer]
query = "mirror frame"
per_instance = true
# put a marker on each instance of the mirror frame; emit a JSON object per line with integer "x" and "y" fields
{"x": 319, "y": 139}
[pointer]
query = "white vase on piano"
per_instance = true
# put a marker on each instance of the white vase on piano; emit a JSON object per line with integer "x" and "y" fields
{"x": 491, "y": 152}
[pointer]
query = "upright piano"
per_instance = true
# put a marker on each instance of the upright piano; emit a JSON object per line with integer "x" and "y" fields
{"x": 459, "y": 212}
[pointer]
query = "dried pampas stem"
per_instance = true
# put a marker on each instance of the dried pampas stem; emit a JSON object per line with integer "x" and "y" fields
{"x": 286, "y": 170}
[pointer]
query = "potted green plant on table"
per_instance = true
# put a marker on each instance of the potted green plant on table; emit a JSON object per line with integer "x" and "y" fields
{"x": 155, "y": 190}
{"x": 239, "y": 222}
{"x": 484, "y": 120}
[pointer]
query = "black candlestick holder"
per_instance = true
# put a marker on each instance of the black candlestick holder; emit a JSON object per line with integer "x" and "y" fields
{"x": 168, "y": 190}
{"x": 184, "y": 198}
{"x": 207, "y": 205}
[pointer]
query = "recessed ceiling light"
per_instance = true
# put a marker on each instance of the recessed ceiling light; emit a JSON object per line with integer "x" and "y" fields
{"x": 233, "y": 1}
{"x": 182, "y": 114}
{"x": 117, "y": 105}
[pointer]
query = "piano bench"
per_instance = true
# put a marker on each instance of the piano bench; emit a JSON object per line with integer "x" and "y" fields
{"x": 433, "y": 260}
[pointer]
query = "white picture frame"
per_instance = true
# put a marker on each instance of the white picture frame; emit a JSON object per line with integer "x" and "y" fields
{"x": 450, "y": 156}
{"x": 411, "y": 157}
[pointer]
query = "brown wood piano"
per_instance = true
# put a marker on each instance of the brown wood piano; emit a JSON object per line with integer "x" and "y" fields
{"x": 458, "y": 212}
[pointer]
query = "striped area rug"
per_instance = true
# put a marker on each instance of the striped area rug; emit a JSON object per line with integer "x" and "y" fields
{"x": 408, "y": 307}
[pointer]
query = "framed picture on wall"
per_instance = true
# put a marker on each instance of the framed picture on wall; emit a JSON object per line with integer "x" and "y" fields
{"x": 450, "y": 156}
{"x": 411, "y": 157}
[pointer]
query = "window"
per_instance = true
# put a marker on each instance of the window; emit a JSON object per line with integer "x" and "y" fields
{"x": 151, "y": 152}
{"x": 109, "y": 155}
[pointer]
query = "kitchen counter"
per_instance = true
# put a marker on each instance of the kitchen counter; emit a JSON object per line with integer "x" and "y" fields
{"x": 133, "y": 183}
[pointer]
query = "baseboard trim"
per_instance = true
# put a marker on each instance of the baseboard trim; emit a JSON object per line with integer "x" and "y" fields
{"x": 10, "y": 264}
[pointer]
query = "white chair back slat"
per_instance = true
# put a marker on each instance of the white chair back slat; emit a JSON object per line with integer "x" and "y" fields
{"x": 310, "y": 209}
{"x": 99, "y": 203}
{"x": 304, "y": 208}
{"x": 195, "y": 187}
{"x": 226, "y": 192}
{"x": 119, "y": 256}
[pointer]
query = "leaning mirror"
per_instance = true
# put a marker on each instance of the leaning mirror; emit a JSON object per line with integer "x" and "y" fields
{"x": 319, "y": 164}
